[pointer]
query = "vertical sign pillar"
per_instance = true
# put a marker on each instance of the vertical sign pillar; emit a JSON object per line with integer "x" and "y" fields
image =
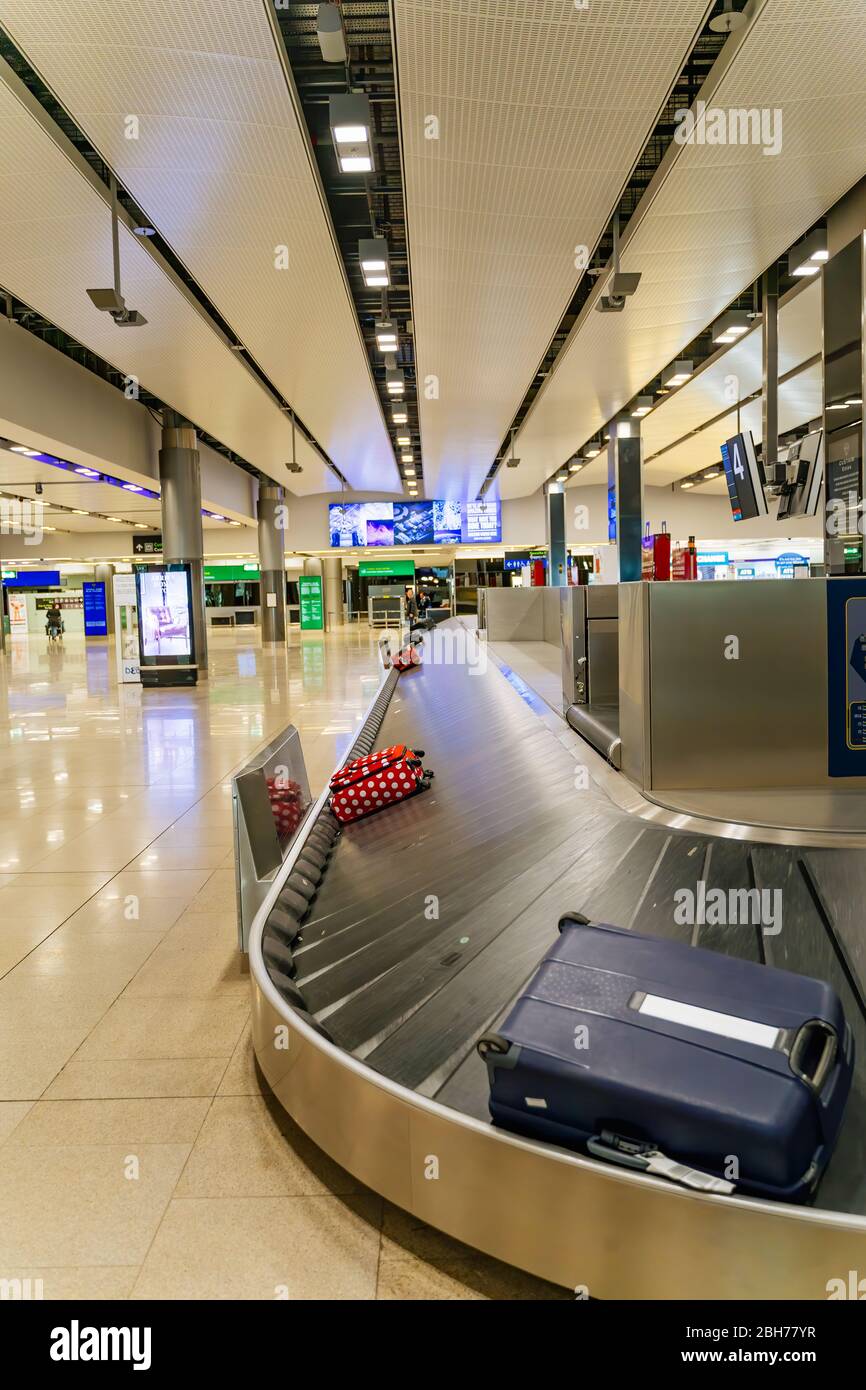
{"x": 843, "y": 308}
{"x": 625, "y": 498}
{"x": 557, "y": 573}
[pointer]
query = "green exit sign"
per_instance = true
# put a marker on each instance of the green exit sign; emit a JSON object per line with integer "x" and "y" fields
{"x": 312, "y": 606}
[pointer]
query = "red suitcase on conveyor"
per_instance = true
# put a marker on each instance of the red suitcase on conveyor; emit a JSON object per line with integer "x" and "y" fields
{"x": 360, "y": 789}
{"x": 375, "y": 762}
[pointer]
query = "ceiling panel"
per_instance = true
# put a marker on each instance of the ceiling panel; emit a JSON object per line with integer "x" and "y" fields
{"x": 714, "y": 218}
{"x": 736, "y": 370}
{"x": 222, "y": 168}
{"x": 63, "y": 496}
{"x": 543, "y": 110}
{"x": 55, "y": 243}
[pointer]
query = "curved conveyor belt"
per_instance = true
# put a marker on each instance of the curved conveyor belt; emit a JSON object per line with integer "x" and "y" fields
{"x": 426, "y": 923}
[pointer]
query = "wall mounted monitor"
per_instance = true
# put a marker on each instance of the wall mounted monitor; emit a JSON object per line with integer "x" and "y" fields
{"x": 165, "y": 628}
{"x": 745, "y": 484}
{"x": 359, "y": 524}
{"x": 806, "y": 459}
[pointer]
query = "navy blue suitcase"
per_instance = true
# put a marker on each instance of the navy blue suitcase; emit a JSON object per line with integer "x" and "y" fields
{"x": 715, "y": 1072}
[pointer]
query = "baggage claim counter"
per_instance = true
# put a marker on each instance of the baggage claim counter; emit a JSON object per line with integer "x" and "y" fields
{"x": 417, "y": 929}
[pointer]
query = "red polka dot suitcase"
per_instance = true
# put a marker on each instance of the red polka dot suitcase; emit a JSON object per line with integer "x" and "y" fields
{"x": 409, "y": 657}
{"x": 367, "y": 790}
{"x": 375, "y": 762}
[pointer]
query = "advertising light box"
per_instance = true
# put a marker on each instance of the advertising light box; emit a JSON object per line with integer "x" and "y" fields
{"x": 436, "y": 522}
{"x": 165, "y": 614}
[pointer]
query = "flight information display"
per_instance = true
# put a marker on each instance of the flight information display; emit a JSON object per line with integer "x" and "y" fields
{"x": 745, "y": 485}
{"x": 356, "y": 524}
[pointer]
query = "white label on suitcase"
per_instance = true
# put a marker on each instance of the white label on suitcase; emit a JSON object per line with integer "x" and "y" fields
{"x": 709, "y": 1020}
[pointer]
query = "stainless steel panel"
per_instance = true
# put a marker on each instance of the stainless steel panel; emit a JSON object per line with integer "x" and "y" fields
{"x": 634, "y": 683}
{"x": 602, "y": 643}
{"x": 572, "y": 632}
{"x": 758, "y": 719}
{"x": 602, "y": 600}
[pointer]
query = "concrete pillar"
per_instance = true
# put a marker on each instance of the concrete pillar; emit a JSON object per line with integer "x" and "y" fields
{"x": 625, "y": 497}
{"x": 844, "y": 305}
{"x": 182, "y": 537}
{"x": 770, "y": 366}
{"x": 332, "y": 572}
{"x": 557, "y": 572}
{"x": 104, "y": 574}
{"x": 272, "y": 563}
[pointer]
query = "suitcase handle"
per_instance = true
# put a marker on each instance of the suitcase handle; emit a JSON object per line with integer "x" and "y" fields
{"x": 810, "y": 1058}
{"x": 492, "y": 1042}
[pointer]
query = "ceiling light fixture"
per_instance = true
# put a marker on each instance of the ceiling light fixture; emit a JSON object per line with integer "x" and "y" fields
{"x": 404, "y": 440}
{"x": 807, "y": 256}
{"x": 642, "y": 406}
{"x": 395, "y": 382}
{"x": 684, "y": 486}
{"x": 731, "y": 326}
{"x": 375, "y": 266}
{"x": 408, "y": 456}
{"x": 349, "y": 117}
{"x": 399, "y": 416}
{"x": 386, "y": 335}
{"x": 19, "y": 449}
{"x": 677, "y": 373}
{"x": 86, "y": 472}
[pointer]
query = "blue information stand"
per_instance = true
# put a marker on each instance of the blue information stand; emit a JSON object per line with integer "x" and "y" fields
{"x": 95, "y": 612}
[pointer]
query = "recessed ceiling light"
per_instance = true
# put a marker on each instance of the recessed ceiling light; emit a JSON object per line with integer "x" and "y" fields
{"x": 87, "y": 472}
{"x": 19, "y": 449}
{"x": 132, "y": 487}
{"x": 686, "y": 485}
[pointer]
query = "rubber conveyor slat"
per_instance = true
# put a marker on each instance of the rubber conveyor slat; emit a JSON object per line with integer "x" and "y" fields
{"x": 431, "y": 916}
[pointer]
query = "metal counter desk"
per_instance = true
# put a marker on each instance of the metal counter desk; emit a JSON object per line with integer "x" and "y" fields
{"x": 427, "y": 924}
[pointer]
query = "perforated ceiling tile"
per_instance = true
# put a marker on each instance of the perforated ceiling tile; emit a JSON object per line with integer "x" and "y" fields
{"x": 543, "y": 110}
{"x": 55, "y": 243}
{"x": 221, "y": 167}
{"x": 718, "y": 217}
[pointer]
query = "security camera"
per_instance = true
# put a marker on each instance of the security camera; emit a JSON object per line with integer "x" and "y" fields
{"x": 38, "y": 489}
{"x": 113, "y": 303}
{"x": 513, "y": 463}
{"x": 611, "y": 304}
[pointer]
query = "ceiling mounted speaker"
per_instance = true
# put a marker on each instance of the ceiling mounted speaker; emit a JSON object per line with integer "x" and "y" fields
{"x": 729, "y": 20}
{"x": 329, "y": 29}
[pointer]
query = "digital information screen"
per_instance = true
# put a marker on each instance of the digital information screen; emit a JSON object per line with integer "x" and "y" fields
{"x": 95, "y": 612}
{"x": 165, "y": 615}
{"x": 358, "y": 524}
{"x": 312, "y": 606}
{"x": 745, "y": 488}
{"x": 846, "y": 677}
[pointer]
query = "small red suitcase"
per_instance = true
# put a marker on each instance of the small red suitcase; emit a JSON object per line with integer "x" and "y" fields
{"x": 409, "y": 657}
{"x": 373, "y": 791}
{"x": 375, "y": 762}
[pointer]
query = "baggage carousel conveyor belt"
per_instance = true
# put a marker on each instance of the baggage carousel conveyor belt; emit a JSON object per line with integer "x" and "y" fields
{"x": 431, "y": 917}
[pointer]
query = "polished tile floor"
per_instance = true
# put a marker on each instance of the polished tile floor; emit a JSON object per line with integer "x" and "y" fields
{"x": 140, "y": 1154}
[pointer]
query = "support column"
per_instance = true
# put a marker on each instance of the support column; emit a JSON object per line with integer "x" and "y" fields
{"x": 844, "y": 301}
{"x": 104, "y": 574}
{"x": 182, "y": 537}
{"x": 770, "y": 365}
{"x": 332, "y": 574}
{"x": 272, "y": 563}
{"x": 625, "y": 497}
{"x": 557, "y": 572}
